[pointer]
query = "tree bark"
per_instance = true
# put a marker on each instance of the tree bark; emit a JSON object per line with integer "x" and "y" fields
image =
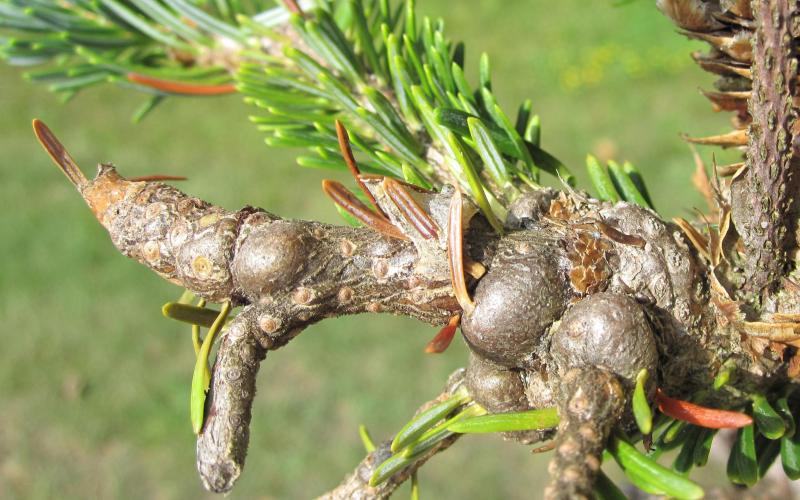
{"x": 763, "y": 195}
{"x": 592, "y": 400}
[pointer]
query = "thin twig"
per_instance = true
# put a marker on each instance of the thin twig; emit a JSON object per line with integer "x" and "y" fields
{"x": 356, "y": 484}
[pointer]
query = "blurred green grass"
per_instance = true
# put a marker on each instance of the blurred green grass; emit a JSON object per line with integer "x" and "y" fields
{"x": 94, "y": 383}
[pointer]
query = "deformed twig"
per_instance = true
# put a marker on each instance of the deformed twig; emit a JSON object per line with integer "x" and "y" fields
{"x": 222, "y": 444}
{"x": 286, "y": 274}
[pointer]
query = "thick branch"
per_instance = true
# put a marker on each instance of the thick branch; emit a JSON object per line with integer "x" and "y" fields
{"x": 764, "y": 195}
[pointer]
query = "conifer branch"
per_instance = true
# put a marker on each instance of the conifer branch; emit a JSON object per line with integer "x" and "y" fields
{"x": 399, "y": 85}
{"x": 572, "y": 297}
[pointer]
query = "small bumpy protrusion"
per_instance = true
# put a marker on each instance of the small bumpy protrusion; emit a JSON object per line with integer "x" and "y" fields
{"x": 663, "y": 272}
{"x": 607, "y": 331}
{"x": 496, "y": 388}
{"x": 501, "y": 390}
{"x": 203, "y": 262}
{"x": 269, "y": 258}
{"x": 517, "y": 300}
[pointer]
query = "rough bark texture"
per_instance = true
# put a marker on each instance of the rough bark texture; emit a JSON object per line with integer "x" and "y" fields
{"x": 308, "y": 270}
{"x": 290, "y": 274}
{"x": 222, "y": 445}
{"x": 591, "y": 400}
{"x": 764, "y": 194}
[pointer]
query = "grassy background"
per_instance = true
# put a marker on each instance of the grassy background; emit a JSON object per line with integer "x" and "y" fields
{"x": 94, "y": 383}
